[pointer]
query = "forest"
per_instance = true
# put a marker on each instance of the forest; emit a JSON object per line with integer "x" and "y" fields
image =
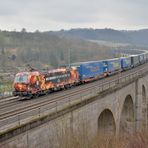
{"x": 45, "y": 50}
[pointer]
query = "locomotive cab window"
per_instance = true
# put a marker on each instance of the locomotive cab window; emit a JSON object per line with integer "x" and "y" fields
{"x": 21, "y": 78}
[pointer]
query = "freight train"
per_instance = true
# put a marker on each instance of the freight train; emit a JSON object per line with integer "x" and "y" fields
{"x": 34, "y": 83}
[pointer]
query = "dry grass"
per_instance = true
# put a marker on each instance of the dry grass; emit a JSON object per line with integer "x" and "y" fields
{"x": 5, "y": 87}
{"x": 80, "y": 137}
{"x": 81, "y": 140}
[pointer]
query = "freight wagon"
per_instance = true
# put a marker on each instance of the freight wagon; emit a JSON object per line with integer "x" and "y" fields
{"x": 125, "y": 63}
{"x": 135, "y": 60}
{"x": 112, "y": 66}
{"x": 91, "y": 70}
{"x": 147, "y": 56}
{"x": 142, "y": 58}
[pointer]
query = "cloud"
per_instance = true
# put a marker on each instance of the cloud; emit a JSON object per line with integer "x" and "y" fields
{"x": 58, "y": 14}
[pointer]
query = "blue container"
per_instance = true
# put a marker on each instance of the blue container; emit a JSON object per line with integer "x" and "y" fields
{"x": 90, "y": 69}
{"x": 125, "y": 62}
{"x": 112, "y": 65}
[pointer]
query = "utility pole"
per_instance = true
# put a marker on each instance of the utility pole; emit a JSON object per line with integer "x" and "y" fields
{"x": 3, "y": 56}
{"x": 69, "y": 60}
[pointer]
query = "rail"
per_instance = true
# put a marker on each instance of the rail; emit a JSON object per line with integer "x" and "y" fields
{"x": 18, "y": 117}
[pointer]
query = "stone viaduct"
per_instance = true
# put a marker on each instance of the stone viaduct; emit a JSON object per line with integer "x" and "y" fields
{"x": 122, "y": 110}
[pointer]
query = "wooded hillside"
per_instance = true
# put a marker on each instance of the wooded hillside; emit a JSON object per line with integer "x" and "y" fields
{"x": 44, "y": 50}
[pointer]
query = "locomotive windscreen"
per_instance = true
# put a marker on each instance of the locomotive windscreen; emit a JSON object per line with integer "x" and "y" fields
{"x": 21, "y": 79}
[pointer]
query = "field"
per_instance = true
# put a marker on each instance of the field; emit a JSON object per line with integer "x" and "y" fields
{"x": 5, "y": 89}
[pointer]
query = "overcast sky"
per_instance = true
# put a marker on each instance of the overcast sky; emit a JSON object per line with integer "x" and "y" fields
{"x": 66, "y": 14}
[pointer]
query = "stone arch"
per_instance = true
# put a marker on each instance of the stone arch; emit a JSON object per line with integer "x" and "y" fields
{"x": 144, "y": 107}
{"x": 106, "y": 123}
{"x": 127, "y": 118}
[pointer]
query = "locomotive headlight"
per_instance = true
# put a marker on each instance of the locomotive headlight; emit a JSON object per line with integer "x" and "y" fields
{"x": 29, "y": 88}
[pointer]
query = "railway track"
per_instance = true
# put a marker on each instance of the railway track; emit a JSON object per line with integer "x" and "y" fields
{"x": 8, "y": 102}
{"x": 41, "y": 103}
{"x": 38, "y": 102}
{"x": 7, "y": 99}
{"x": 18, "y": 107}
